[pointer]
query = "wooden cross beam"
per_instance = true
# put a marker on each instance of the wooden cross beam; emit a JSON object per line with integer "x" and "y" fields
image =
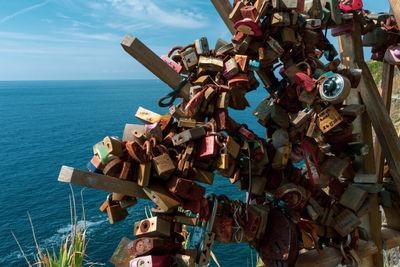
{"x": 134, "y": 47}
{"x": 100, "y": 182}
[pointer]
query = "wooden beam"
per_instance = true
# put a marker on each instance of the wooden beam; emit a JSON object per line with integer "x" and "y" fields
{"x": 332, "y": 256}
{"x": 134, "y": 47}
{"x": 101, "y": 182}
{"x": 224, "y": 8}
{"x": 391, "y": 238}
{"x": 395, "y": 7}
{"x": 386, "y": 93}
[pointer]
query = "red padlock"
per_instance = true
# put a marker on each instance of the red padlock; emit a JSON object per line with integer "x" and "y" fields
{"x": 356, "y": 5}
{"x": 185, "y": 188}
{"x": 207, "y": 148}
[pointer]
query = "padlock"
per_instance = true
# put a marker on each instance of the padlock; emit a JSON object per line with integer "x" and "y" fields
{"x": 249, "y": 27}
{"x": 220, "y": 43}
{"x": 207, "y": 239}
{"x": 375, "y": 38}
{"x": 211, "y": 64}
{"x": 262, "y": 211}
{"x": 153, "y": 227}
{"x": 151, "y": 261}
{"x": 201, "y": 175}
{"x": 176, "y": 112}
{"x": 223, "y": 228}
{"x": 144, "y": 172}
{"x": 280, "y": 19}
{"x": 304, "y": 81}
{"x": 201, "y": 46}
{"x": 328, "y": 119}
{"x": 236, "y": 14}
{"x": 175, "y": 66}
{"x": 288, "y": 36}
{"x": 147, "y": 116}
{"x": 334, "y": 166}
{"x": 207, "y": 148}
{"x": 127, "y": 202}
{"x": 113, "y": 168}
{"x": 311, "y": 131}
{"x": 252, "y": 223}
{"x": 279, "y": 116}
{"x": 137, "y": 152}
{"x": 281, "y": 157}
{"x": 314, "y": 9}
{"x": 263, "y": 112}
{"x": 345, "y": 222}
{"x": 188, "y": 135}
{"x": 161, "y": 197}
{"x": 114, "y": 211}
{"x": 301, "y": 117}
{"x": 392, "y": 55}
{"x": 126, "y": 173}
{"x": 242, "y": 61}
{"x": 334, "y": 8}
{"x": 258, "y": 185}
{"x": 102, "y": 153}
{"x": 353, "y": 198}
{"x": 152, "y": 245}
{"x": 163, "y": 163}
{"x": 249, "y": 12}
{"x": 355, "y": 5}
{"x": 95, "y": 165}
{"x": 189, "y": 59}
{"x": 153, "y": 130}
{"x": 113, "y": 145}
{"x": 280, "y": 138}
{"x": 238, "y": 38}
{"x": 231, "y": 69}
{"x": 224, "y": 158}
{"x": 185, "y": 188}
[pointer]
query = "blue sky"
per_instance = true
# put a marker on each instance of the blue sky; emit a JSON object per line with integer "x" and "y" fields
{"x": 78, "y": 39}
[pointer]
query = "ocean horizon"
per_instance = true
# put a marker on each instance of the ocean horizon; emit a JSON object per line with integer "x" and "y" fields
{"x": 47, "y": 124}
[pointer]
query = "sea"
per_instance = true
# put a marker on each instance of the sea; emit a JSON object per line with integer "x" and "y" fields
{"x": 47, "y": 124}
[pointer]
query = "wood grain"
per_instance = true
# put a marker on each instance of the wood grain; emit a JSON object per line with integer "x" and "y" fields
{"x": 100, "y": 182}
{"x": 134, "y": 47}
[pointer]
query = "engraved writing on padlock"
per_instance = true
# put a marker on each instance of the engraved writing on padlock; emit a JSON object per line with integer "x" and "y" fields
{"x": 328, "y": 119}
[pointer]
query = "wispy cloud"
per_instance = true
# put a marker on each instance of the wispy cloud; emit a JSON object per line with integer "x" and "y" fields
{"x": 35, "y": 37}
{"x": 75, "y": 23}
{"x": 96, "y": 36}
{"x": 22, "y": 11}
{"x": 150, "y": 12}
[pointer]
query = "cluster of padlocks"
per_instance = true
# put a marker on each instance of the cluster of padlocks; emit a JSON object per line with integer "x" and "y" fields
{"x": 287, "y": 208}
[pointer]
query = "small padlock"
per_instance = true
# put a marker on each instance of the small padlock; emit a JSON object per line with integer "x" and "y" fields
{"x": 95, "y": 165}
{"x": 114, "y": 145}
{"x": 231, "y": 69}
{"x": 114, "y": 211}
{"x": 163, "y": 164}
{"x": 201, "y": 46}
{"x": 207, "y": 148}
{"x": 189, "y": 59}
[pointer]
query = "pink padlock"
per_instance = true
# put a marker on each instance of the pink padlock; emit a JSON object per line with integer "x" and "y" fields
{"x": 151, "y": 261}
{"x": 247, "y": 133}
{"x": 172, "y": 64}
{"x": 392, "y": 55}
{"x": 207, "y": 148}
{"x": 249, "y": 27}
{"x": 356, "y": 5}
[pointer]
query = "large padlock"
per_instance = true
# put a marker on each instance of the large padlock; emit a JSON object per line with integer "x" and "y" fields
{"x": 114, "y": 211}
{"x": 114, "y": 145}
{"x": 153, "y": 227}
{"x": 353, "y": 198}
{"x": 223, "y": 228}
{"x": 151, "y": 261}
{"x": 163, "y": 163}
{"x": 161, "y": 197}
{"x": 328, "y": 119}
{"x": 201, "y": 46}
{"x": 345, "y": 222}
{"x": 252, "y": 223}
{"x": 211, "y": 64}
{"x": 147, "y": 116}
{"x": 189, "y": 59}
{"x": 231, "y": 69}
{"x": 189, "y": 135}
{"x": 185, "y": 188}
{"x": 152, "y": 245}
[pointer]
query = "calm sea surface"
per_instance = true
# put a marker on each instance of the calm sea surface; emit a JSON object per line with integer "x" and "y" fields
{"x": 47, "y": 124}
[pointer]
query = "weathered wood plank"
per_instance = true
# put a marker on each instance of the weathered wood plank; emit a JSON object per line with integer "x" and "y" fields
{"x": 395, "y": 8}
{"x": 332, "y": 256}
{"x": 386, "y": 93}
{"x": 101, "y": 182}
{"x": 224, "y": 8}
{"x": 134, "y": 47}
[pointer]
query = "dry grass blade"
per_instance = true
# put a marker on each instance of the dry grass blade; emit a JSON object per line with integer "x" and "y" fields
{"x": 20, "y": 248}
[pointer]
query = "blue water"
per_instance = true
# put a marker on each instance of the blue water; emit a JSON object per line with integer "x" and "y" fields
{"x": 47, "y": 124}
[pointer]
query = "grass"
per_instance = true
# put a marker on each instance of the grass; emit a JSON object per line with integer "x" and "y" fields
{"x": 72, "y": 249}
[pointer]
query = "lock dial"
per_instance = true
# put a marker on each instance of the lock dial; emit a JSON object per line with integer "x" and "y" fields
{"x": 335, "y": 88}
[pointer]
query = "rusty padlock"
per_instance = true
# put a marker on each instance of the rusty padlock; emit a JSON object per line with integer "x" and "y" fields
{"x": 114, "y": 211}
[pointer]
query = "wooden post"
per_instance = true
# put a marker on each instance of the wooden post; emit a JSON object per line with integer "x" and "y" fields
{"x": 385, "y": 91}
{"x": 351, "y": 51}
{"x": 224, "y": 8}
{"x": 395, "y": 7}
{"x": 134, "y": 47}
{"x": 101, "y": 182}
